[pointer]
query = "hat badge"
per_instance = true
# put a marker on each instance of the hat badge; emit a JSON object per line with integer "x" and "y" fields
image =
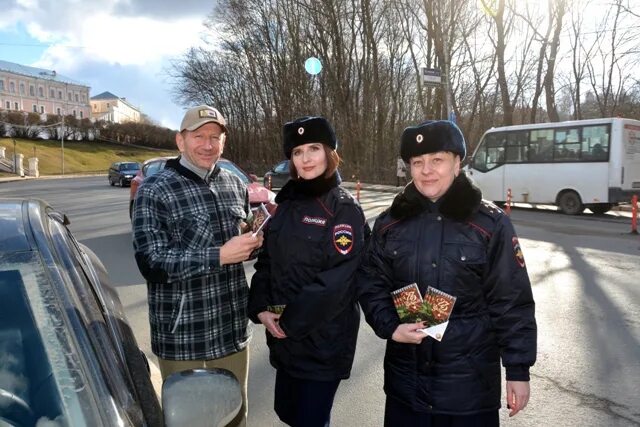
{"x": 300, "y": 130}
{"x": 419, "y": 138}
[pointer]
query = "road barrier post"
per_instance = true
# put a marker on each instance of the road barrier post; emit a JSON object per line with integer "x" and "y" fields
{"x": 634, "y": 214}
{"x": 508, "y": 206}
{"x": 358, "y": 187}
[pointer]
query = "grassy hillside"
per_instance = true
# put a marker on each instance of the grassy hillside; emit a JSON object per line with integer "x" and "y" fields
{"x": 79, "y": 157}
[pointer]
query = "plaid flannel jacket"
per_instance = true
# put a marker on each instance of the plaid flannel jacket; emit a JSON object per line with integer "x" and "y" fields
{"x": 197, "y": 308}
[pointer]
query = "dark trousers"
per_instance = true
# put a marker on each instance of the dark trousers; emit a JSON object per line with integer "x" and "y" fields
{"x": 396, "y": 414}
{"x": 304, "y": 403}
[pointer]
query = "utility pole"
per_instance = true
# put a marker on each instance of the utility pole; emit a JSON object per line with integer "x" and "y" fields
{"x": 62, "y": 141}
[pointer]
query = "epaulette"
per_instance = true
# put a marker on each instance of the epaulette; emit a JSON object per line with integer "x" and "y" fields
{"x": 486, "y": 217}
{"x": 491, "y": 209}
{"x": 343, "y": 196}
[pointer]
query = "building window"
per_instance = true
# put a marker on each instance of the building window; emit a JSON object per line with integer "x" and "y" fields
{"x": 15, "y": 104}
{"x": 58, "y": 111}
{"x": 2, "y": 85}
{"x": 12, "y": 87}
{"x": 81, "y": 115}
{"x": 42, "y": 109}
{"x": 35, "y": 108}
{"x": 22, "y": 90}
{"x": 59, "y": 94}
{"x": 52, "y": 93}
{"x": 41, "y": 92}
{"x": 76, "y": 97}
{"x": 74, "y": 113}
{"x": 32, "y": 91}
{"x": 8, "y": 105}
{"x": 69, "y": 96}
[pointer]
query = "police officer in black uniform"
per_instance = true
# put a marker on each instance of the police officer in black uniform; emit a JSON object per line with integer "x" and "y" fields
{"x": 303, "y": 290}
{"x": 439, "y": 232}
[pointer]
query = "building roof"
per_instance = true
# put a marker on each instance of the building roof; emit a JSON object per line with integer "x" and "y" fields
{"x": 103, "y": 96}
{"x": 106, "y": 95}
{"x": 38, "y": 73}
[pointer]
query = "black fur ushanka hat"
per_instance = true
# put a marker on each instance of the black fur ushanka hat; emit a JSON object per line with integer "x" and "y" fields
{"x": 306, "y": 130}
{"x": 430, "y": 137}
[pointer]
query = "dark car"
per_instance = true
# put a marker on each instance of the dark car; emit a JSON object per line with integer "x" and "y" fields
{"x": 277, "y": 176}
{"x": 257, "y": 193}
{"x": 122, "y": 173}
{"x": 68, "y": 356}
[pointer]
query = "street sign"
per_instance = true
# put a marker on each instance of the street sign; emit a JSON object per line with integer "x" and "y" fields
{"x": 313, "y": 66}
{"x": 431, "y": 76}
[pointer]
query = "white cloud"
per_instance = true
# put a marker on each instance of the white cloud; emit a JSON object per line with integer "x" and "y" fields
{"x": 113, "y": 45}
{"x": 125, "y": 41}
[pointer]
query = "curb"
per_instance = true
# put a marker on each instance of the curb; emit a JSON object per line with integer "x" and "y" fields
{"x": 156, "y": 377}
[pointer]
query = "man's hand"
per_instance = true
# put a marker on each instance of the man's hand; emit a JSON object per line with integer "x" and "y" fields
{"x": 270, "y": 321}
{"x": 407, "y": 333}
{"x": 517, "y": 396}
{"x": 239, "y": 248}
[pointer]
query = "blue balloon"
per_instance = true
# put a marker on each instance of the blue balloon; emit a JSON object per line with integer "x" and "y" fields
{"x": 313, "y": 66}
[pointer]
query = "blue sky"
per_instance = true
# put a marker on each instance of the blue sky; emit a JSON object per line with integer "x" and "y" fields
{"x": 120, "y": 46}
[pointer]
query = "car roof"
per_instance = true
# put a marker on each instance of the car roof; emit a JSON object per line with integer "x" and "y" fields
{"x": 15, "y": 226}
{"x": 165, "y": 158}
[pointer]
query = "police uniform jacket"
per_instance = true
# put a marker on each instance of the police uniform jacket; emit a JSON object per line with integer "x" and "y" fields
{"x": 308, "y": 263}
{"x": 197, "y": 308}
{"x": 468, "y": 248}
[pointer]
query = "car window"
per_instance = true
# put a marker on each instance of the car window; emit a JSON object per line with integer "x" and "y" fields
{"x": 282, "y": 167}
{"x": 235, "y": 170}
{"x": 40, "y": 363}
{"x": 153, "y": 167}
{"x": 129, "y": 166}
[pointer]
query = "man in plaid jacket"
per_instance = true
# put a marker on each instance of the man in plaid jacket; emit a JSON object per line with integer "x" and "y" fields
{"x": 188, "y": 221}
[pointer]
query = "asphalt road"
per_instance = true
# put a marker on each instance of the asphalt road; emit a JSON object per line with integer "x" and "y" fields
{"x": 586, "y": 282}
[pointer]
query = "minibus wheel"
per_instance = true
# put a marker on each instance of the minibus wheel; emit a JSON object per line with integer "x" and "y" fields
{"x": 569, "y": 202}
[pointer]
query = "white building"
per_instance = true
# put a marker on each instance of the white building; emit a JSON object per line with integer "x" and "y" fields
{"x": 111, "y": 108}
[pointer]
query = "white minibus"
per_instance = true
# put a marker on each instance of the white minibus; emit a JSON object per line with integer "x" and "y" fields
{"x": 575, "y": 165}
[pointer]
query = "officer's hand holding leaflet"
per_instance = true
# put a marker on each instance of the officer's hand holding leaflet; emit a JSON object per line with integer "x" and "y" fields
{"x": 239, "y": 248}
{"x": 409, "y": 333}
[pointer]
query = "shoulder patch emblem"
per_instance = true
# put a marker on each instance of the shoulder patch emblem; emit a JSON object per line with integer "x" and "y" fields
{"x": 343, "y": 238}
{"x": 517, "y": 250}
{"x": 314, "y": 220}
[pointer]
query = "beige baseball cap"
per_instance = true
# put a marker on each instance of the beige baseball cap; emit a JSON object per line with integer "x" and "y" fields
{"x": 200, "y": 115}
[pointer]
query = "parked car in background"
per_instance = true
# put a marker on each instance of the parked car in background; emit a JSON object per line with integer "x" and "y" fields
{"x": 277, "y": 176}
{"x": 257, "y": 192}
{"x": 122, "y": 173}
{"x": 68, "y": 356}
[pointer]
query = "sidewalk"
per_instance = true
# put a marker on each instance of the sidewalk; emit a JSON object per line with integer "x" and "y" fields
{"x": 19, "y": 178}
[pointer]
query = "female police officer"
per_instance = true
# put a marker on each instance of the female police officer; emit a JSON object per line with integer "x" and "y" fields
{"x": 307, "y": 269}
{"x": 439, "y": 232}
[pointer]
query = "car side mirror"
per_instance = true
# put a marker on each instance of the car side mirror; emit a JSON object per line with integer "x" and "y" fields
{"x": 201, "y": 398}
{"x": 254, "y": 177}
